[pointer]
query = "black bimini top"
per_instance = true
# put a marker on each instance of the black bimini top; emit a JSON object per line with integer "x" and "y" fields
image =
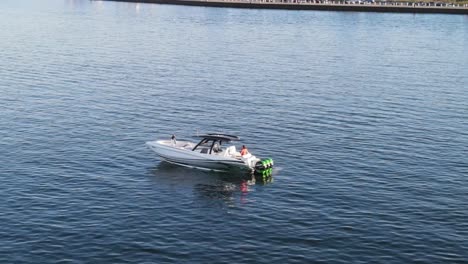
{"x": 217, "y": 136}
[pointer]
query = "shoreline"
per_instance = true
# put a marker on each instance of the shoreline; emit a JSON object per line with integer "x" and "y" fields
{"x": 334, "y": 6}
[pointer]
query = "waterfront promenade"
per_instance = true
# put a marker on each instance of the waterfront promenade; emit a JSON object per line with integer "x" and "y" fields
{"x": 358, "y": 6}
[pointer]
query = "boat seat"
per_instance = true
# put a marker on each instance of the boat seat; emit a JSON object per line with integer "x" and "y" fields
{"x": 204, "y": 151}
{"x": 230, "y": 151}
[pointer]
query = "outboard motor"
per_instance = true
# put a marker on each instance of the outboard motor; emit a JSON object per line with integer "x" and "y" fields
{"x": 264, "y": 168}
{"x": 264, "y": 164}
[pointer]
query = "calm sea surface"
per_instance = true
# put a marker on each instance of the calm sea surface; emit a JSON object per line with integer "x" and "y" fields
{"x": 365, "y": 114}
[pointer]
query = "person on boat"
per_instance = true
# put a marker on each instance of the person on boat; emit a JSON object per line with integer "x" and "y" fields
{"x": 216, "y": 147}
{"x": 174, "y": 141}
{"x": 244, "y": 151}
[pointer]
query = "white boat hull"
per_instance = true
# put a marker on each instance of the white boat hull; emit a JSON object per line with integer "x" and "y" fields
{"x": 182, "y": 154}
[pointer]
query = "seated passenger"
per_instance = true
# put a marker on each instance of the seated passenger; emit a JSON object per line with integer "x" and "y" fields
{"x": 244, "y": 151}
{"x": 216, "y": 148}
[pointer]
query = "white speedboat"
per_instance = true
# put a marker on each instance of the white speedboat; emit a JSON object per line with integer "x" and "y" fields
{"x": 211, "y": 153}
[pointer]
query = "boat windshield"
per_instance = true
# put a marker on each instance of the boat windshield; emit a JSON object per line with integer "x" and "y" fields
{"x": 208, "y": 146}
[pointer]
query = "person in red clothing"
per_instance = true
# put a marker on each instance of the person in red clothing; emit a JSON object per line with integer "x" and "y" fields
{"x": 244, "y": 150}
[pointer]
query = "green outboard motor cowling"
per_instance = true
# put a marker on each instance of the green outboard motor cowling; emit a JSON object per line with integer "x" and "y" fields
{"x": 264, "y": 164}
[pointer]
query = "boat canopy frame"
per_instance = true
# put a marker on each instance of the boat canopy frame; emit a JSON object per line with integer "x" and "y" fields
{"x": 206, "y": 138}
{"x": 218, "y": 136}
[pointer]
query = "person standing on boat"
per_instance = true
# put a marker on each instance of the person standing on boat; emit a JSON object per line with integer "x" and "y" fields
{"x": 244, "y": 151}
{"x": 174, "y": 141}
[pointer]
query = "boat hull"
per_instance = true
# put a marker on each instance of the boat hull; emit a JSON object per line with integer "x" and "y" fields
{"x": 186, "y": 157}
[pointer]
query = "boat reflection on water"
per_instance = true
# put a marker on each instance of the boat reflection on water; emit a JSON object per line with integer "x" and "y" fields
{"x": 228, "y": 187}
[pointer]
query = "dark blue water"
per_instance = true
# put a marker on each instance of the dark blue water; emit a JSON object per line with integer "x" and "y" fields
{"x": 365, "y": 114}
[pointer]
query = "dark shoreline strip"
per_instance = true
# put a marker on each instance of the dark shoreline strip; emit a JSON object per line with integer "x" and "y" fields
{"x": 307, "y": 6}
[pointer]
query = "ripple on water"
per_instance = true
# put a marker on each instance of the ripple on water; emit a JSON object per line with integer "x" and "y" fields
{"x": 366, "y": 127}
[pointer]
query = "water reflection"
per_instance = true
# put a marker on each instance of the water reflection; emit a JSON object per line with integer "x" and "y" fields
{"x": 226, "y": 187}
{"x": 229, "y": 193}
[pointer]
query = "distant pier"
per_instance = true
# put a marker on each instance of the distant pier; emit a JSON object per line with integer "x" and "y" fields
{"x": 357, "y": 6}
